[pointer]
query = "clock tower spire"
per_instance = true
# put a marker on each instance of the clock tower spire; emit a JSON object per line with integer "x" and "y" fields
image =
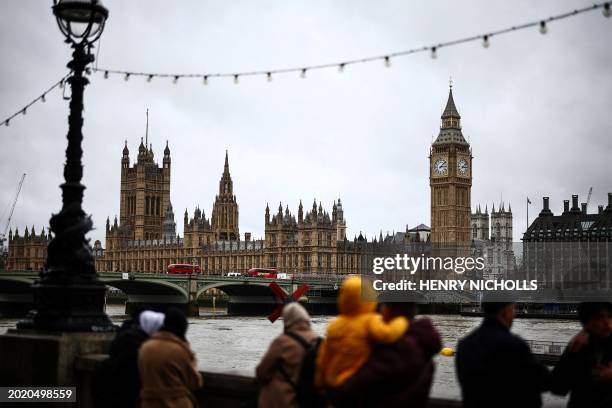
{"x": 450, "y": 179}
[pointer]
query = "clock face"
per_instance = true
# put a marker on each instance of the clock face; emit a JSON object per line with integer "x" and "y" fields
{"x": 462, "y": 167}
{"x": 440, "y": 167}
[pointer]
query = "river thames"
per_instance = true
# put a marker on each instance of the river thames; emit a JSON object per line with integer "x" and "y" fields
{"x": 235, "y": 344}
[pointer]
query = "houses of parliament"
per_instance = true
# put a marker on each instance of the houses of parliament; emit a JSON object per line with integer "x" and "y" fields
{"x": 144, "y": 237}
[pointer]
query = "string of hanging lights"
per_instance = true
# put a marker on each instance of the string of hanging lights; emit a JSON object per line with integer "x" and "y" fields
{"x": 41, "y": 98}
{"x": 341, "y": 66}
{"x": 542, "y": 26}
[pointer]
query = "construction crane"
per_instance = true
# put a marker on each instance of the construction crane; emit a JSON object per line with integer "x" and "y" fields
{"x": 589, "y": 197}
{"x": 10, "y": 214}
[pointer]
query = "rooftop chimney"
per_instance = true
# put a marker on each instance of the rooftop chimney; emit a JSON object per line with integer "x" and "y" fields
{"x": 575, "y": 202}
{"x": 546, "y": 209}
{"x": 609, "y": 207}
{"x": 565, "y": 206}
{"x": 584, "y": 208}
{"x": 600, "y": 209}
{"x": 247, "y": 236}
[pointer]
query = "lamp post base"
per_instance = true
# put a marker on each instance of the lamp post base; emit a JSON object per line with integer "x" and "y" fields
{"x": 68, "y": 308}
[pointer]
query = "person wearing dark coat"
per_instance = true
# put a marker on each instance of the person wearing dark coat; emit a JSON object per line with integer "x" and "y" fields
{"x": 116, "y": 381}
{"x": 585, "y": 368}
{"x": 496, "y": 368}
{"x": 395, "y": 375}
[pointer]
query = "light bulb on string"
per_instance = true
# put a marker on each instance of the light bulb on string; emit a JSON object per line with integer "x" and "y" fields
{"x": 269, "y": 76}
{"x": 205, "y": 80}
{"x": 434, "y": 53}
{"x": 341, "y": 68}
{"x": 6, "y": 122}
{"x": 387, "y": 61}
{"x": 485, "y": 41}
{"x": 236, "y": 81}
{"x": 303, "y": 73}
{"x": 24, "y": 111}
{"x": 149, "y": 78}
{"x": 126, "y": 77}
{"x": 606, "y": 10}
{"x": 105, "y": 74}
{"x": 543, "y": 27}
{"x": 175, "y": 80}
{"x": 42, "y": 98}
{"x": 61, "y": 84}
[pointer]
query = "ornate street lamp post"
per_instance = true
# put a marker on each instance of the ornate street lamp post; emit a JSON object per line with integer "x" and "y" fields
{"x": 69, "y": 296}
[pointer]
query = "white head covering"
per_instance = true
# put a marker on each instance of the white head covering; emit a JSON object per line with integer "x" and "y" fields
{"x": 294, "y": 313}
{"x": 150, "y": 321}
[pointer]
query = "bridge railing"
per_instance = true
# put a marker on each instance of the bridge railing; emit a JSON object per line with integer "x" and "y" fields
{"x": 550, "y": 348}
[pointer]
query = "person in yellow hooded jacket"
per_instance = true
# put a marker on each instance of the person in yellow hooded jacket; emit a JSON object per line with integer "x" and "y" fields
{"x": 352, "y": 334}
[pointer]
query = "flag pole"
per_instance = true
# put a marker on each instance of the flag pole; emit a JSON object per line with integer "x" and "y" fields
{"x": 527, "y": 204}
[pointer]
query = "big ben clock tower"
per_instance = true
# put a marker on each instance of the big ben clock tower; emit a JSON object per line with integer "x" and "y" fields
{"x": 450, "y": 179}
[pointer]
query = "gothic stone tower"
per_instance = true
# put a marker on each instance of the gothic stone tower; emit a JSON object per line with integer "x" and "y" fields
{"x": 225, "y": 210}
{"x": 145, "y": 192}
{"x": 450, "y": 179}
{"x": 480, "y": 224}
{"x": 501, "y": 224}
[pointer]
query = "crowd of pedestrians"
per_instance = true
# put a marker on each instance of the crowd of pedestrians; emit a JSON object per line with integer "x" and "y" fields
{"x": 371, "y": 356}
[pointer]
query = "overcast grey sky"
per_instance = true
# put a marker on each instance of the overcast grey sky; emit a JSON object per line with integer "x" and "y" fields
{"x": 536, "y": 107}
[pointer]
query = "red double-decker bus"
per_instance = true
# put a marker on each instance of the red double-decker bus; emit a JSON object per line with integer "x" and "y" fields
{"x": 183, "y": 269}
{"x": 269, "y": 273}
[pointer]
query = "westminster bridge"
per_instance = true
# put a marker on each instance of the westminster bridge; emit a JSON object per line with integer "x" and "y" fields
{"x": 246, "y": 295}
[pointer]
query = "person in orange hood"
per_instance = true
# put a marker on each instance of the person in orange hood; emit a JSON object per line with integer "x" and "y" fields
{"x": 352, "y": 334}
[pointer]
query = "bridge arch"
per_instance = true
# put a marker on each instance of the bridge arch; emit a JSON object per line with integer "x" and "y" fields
{"x": 240, "y": 288}
{"x": 152, "y": 294}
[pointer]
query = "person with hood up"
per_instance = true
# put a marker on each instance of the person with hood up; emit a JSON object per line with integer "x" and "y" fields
{"x": 120, "y": 371}
{"x": 352, "y": 334}
{"x": 168, "y": 367}
{"x": 398, "y": 374}
{"x": 279, "y": 369}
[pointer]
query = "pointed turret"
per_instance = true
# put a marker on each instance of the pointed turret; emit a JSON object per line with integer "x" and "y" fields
{"x": 450, "y": 111}
{"x": 300, "y": 212}
{"x": 267, "y": 219}
{"x": 225, "y": 184}
{"x": 450, "y": 129}
{"x": 226, "y": 165}
{"x": 142, "y": 150}
{"x": 126, "y": 151}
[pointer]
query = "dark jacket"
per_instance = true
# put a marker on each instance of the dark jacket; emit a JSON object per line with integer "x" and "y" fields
{"x": 496, "y": 369}
{"x": 119, "y": 372}
{"x": 573, "y": 374}
{"x": 396, "y": 375}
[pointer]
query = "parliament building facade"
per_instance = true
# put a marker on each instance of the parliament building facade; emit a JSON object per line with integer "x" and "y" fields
{"x": 144, "y": 238}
